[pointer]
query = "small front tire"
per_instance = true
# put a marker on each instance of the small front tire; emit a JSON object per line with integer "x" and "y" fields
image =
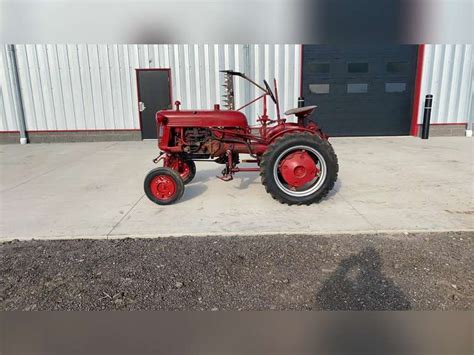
{"x": 163, "y": 186}
{"x": 188, "y": 171}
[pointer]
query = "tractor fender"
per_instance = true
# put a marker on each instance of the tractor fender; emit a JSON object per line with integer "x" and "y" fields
{"x": 281, "y": 130}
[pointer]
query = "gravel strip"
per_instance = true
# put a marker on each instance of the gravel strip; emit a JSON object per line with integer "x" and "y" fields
{"x": 423, "y": 271}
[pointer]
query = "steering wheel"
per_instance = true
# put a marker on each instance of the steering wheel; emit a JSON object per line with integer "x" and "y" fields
{"x": 269, "y": 90}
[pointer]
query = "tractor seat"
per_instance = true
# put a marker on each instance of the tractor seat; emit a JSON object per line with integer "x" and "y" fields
{"x": 301, "y": 111}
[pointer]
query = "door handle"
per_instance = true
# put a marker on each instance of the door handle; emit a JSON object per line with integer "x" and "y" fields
{"x": 141, "y": 106}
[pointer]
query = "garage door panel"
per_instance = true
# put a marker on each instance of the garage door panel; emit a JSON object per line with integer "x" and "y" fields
{"x": 360, "y": 90}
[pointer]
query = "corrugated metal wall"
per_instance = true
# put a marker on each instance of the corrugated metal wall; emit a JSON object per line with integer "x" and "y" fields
{"x": 448, "y": 75}
{"x": 77, "y": 87}
{"x": 8, "y": 120}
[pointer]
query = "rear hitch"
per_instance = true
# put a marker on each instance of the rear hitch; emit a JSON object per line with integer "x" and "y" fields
{"x": 227, "y": 173}
{"x": 225, "y": 176}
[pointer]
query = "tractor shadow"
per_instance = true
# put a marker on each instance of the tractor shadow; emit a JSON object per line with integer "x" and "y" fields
{"x": 359, "y": 284}
{"x": 203, "y": 176}
{"x": 245, "y": 178}
{"x": 193, "y": 190}
{"x": 198, "y": 186}
{"x": 241, "y": 182}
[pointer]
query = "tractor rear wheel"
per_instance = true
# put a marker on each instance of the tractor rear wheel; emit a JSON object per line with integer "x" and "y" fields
{"x": 299, "y": 169}
{"x": 163, "y": 186}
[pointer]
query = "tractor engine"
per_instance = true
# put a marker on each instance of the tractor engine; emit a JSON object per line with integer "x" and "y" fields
{"x": 201, "y": 143}
{"x": 195, "y": 138}
{"x": 198, "y": 133}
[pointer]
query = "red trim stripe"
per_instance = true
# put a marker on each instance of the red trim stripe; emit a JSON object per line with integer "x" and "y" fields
{"x": 417, "y": 95}
{"x": 82, "y": 130}
{"x": 75, "y": 130}
{"x": 447, "y": 124}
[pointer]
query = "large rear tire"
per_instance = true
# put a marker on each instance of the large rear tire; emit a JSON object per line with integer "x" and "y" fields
{"x": 163, "y": 186}
{"x": 299, "y": 168}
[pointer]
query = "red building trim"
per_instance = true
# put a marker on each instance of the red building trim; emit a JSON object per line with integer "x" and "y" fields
{"x": 447, "y": 124}
{"x": 417, "y": 91}
{"x": 81, "y": 130}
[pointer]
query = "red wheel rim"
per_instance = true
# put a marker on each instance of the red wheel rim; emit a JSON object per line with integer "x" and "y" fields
{"x": 163, "y": 187}
{"x": 184, "y": 170}
{"x": 181, "y": 167}
{"x": 298, "y": 169}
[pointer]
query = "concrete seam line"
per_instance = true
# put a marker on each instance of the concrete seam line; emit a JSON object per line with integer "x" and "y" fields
{"x": 347, "y": 233}
{"x": 357, "y": 211}
{"x": 125, "y": 215}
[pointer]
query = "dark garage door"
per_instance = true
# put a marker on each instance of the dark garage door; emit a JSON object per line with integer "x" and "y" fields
{"x": 360, "y": 91}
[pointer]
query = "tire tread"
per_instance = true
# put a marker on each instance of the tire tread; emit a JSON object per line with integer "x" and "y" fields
{"x": 297, "y": 138}
{"x": 174, "y": 174}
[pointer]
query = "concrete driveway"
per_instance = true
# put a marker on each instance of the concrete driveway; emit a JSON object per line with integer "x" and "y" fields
{"x": 96, "y": 190}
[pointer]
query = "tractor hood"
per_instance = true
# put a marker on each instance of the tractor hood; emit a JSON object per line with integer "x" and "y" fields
{"x": 211, "y": 118}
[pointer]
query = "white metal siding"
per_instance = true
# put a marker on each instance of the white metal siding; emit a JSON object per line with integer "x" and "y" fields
{"x": 8, "y": 121}
{"x": 87, "y": 87}
{"x": 76, "y": 87}
{"x": 448, "y": 75}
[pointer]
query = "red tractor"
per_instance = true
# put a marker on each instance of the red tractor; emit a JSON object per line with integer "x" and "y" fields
{"x": 296, "y": 162}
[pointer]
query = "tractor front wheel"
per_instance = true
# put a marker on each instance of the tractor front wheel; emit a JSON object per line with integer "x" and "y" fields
{"x": 299, "y": 168}
{"x": 186, "y": 168}
{"x": 163, "y": 186}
